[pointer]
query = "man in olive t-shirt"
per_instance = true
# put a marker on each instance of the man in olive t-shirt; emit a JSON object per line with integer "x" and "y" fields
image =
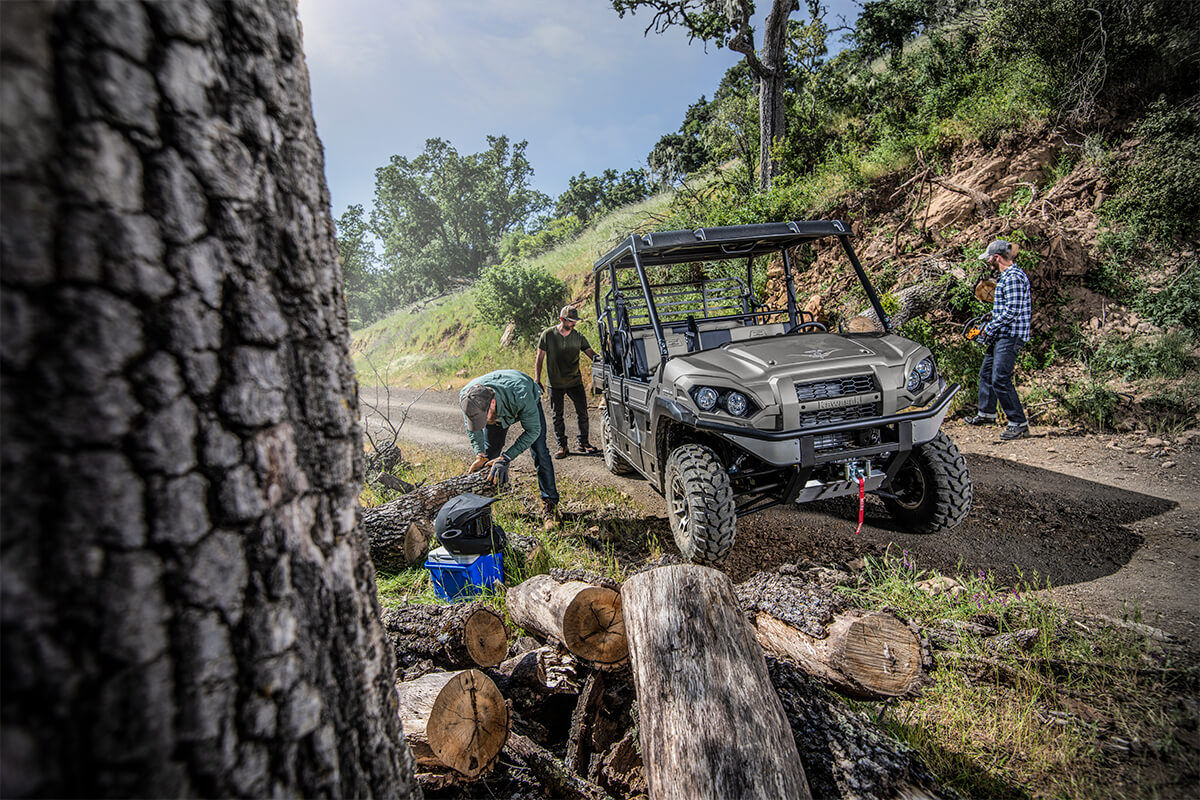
{"x": 559, "y": 348}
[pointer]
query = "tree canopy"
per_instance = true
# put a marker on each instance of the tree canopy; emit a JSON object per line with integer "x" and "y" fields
{"x": 440, "y": 217}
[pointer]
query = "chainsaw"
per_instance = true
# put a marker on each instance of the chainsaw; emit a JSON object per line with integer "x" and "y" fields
{"x": 973, "y": 328}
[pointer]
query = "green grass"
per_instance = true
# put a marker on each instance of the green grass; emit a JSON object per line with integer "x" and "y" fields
{"x": 1041, "y": 721}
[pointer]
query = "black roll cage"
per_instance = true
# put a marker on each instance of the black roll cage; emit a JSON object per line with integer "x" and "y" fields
{"x": 714, "y": 244}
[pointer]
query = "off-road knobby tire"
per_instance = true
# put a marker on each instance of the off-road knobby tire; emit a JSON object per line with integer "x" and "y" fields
{"x": 615, "y": 462}
{"x": 696, "y": 479}
{"x": 947, "y": 494}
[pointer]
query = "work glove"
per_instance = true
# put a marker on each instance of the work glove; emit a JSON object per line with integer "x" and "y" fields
{"x": 479, "y": 463}
{"x": 498, "y": 474}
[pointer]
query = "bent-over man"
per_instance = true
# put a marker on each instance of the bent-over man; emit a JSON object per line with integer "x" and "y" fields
{"x": 493, "y": 403}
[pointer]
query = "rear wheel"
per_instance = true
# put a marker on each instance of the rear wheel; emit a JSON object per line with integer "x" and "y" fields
{"x": 615, "y": 462}
{"x": 933, "y": 490}
{"x": 700, "y": 504}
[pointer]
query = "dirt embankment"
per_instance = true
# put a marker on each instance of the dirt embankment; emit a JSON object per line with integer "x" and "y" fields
{"x": 1111, "y": 522}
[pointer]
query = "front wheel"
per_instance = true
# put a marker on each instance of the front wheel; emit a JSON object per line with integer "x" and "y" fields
{"x": 933, "y": 490}
{"x": 700, "y": 504}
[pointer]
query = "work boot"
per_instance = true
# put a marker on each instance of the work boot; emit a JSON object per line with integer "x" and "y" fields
{"x": 981, "y": 419}
{"x": 562, "y": 451}
{"x": 1015, "y": 431}
{"x": 550, "y": 512}
{"x": 587, "y": 449}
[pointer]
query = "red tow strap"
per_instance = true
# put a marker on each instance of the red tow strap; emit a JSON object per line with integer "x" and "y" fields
{"x": 862, "y": 503}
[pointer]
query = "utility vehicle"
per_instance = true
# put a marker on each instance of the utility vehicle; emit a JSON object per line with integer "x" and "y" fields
{"x": 728, "y": 406}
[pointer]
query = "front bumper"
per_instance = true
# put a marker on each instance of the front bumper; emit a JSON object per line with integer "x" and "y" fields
{"x": 900, "y": 432}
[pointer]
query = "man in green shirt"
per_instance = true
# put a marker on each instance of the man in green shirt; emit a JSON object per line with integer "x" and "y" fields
{"x": 559, "y": 348}
{"x": 492, "y": 404}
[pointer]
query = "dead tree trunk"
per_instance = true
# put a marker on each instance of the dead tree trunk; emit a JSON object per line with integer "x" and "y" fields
{"x": 585, "y": 618}
{"x": 711, "y": 723}
{"x": 455, "y": 720}
{"x": 451, "y": 636}
{"x": 556, "y": 779}
{"x": 388, "y": 527}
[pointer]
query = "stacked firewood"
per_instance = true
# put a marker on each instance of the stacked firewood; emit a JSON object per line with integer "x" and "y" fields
{"x": 676, "y": 684}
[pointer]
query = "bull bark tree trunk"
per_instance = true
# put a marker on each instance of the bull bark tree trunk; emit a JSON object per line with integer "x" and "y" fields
{"x": 711, "y": 723}
{"x": 188, "y": 604}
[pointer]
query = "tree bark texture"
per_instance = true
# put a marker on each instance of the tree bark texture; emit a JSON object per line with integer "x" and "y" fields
{"x": 189, "y": 608}
{"x": 585, "y": 618}
{"x": 456, "y": 636}
{"x": 711, "y": 723}
{"x": 845, "y": 755}
{"x": 457, "y": 720}
{"x": 387, "y": 525}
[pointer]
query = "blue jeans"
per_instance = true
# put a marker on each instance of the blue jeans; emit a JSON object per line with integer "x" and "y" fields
{"x": 996, "y": 380}
{"x": 541, "y": 455}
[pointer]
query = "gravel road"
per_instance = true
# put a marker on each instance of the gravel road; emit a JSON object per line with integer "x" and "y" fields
{"x": 1113, "y": 522}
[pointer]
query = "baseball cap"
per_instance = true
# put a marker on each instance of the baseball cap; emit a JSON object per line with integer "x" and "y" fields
{"x": 476, "y": 401}
{"x": 996, "y": 248}
{"x": 568, "y": 312}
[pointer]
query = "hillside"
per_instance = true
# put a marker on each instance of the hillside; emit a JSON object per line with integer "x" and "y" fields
{"x": 1097, "y": 357}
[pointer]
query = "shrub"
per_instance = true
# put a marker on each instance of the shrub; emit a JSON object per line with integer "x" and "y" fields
{"x": 1167, "y": 357}
{"x": 1176, "y": 305}
{"x": 522, "y": 294}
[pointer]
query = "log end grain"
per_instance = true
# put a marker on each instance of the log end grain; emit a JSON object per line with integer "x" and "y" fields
{"x": 882, "y": 654}
{"x": 416, "y": 542}
{"x": 469, "y": 723}
{"x": 485, "y": 637}
{"x": 594, "y": 627}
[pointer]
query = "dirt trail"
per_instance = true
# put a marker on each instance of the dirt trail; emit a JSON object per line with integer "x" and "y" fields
{"x": 1113, "y": 522}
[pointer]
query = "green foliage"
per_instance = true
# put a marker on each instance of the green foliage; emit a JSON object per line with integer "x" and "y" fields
{"x": 1158, "y": 194}
{"x": 1115, "y": 275}
{"x": 1092, "y": 400}
{"x": 368, "y": 294}
{"x": 1169, "y": 356}
{"x": 526, "y": 295}
{"x": 588, "y": 196}
{"x": 441, "y": 216}
{"x": 520, "y": 245}
{"x": 676, "y": 155}
{"x": 1176, "y": 305}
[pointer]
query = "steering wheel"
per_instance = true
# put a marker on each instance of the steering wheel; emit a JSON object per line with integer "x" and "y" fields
{"x": 799, "y": 326}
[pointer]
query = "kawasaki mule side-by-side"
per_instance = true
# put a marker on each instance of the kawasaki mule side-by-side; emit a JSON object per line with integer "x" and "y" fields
{"x": 729, "y": 407}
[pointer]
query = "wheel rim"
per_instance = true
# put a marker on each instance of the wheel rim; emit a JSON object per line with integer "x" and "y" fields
{"x": 910, "y": 486}
{"x": 678, "y": 508}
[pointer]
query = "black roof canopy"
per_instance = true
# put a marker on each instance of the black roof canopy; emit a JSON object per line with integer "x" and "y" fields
{"x": 714, "y": 244}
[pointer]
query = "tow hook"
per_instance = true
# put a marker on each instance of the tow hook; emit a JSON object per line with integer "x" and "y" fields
{"x": 856, "y": 473}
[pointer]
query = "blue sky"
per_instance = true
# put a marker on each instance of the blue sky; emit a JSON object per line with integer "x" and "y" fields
{"x": 585, "y": 88}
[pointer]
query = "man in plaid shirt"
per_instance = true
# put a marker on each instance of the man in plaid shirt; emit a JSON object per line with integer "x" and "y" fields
{"x": 1006, "y": 333}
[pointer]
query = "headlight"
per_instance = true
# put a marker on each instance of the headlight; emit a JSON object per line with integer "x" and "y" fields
{"x": 926, "y": 368}
{"x": 706, "y": 398}
{"x": 914, "y": 381}
{"x": 735, "y": 403}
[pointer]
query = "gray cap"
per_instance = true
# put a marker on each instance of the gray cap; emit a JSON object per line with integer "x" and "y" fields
{"x": 476, "y": 402}
{"x": 568, "y": 312}
{"x": 997, "y": 248}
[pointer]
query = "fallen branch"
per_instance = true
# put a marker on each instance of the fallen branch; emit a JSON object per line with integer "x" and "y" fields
{"x": 556, "y": 779}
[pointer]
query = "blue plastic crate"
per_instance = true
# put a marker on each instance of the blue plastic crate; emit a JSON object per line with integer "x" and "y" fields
{"x": 458, "y": 577}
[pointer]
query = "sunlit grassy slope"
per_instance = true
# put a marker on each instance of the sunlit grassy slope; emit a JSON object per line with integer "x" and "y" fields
{"x": 434, "y": 343}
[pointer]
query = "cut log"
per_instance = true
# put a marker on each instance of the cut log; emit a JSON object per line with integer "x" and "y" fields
{"x": 845, "y": 755}
{"x": 387, "y": 525}
{"x": 416, "y": 543}
{"x": 584, "y": 617}
{"x": 454, "y": 719}
{"x": 454, "y": 636}
{"x": 544, "y": 671}
{"x": 711, "y": 724}
{"x": 798, "y": 616}
{"x": 867, "y": 655}
{"x": 556, "y": 779}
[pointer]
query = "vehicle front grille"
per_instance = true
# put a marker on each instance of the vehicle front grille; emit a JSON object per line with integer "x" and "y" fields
{"x": 822, "y": 390}
{"x": 833, "y": 441}
{"x": 832, "y": 415}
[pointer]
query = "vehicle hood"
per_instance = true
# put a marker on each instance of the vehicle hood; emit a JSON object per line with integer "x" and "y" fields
{"x": 753, "y": 360}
